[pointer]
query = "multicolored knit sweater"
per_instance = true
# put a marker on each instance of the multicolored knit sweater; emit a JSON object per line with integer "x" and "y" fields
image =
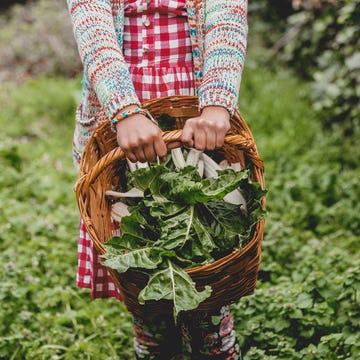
{"x": 218, "y": 31}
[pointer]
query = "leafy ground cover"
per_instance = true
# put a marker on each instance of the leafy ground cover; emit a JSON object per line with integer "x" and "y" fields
{"x": 307, "y": 301}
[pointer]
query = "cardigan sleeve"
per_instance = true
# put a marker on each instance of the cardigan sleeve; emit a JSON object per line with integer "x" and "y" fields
{"x": 101, "y": 55}
{"x": 224, "y": 53}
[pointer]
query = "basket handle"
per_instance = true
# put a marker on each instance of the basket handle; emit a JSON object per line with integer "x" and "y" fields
{"x": 245, "y": 144}
{"x": 240, "y": 142}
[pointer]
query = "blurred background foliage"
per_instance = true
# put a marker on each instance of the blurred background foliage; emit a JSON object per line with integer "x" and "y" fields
{"x": 36, "y": 39}
{"x": 321, "y": 39}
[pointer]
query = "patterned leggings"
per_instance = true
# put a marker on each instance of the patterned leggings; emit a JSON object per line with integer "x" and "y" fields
{"x": 196, "y": 336}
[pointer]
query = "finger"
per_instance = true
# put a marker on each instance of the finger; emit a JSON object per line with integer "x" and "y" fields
{"x": 210, "y": 140}
{"x": 140, "y": 155}
{"x": 160, "y": 148}
{"x": 219, "y": 141}
{"x": 187, "y": 136}
{"x": 220, "y": 137}
{"x": 130, "y": 155}
{"x": 200, "y": 140}
{"x": 131, "y": 148}
{"x": 150, "y": 153}
{"x": 127, "y": 149}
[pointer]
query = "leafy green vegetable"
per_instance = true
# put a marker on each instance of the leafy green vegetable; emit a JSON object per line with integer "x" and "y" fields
{"x": 174, "y": 284}
{"x": 224, "y": 222}
{"x": 181, "y": 222}
{"x": 138, "y": 258}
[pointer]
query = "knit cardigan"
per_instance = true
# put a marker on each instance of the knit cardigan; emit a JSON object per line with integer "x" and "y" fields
{"x": 218, "y": 32}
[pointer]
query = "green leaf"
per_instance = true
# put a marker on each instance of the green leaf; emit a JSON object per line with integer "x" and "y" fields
{"x": 304, "y": 301}
{"x": 184, "y": 232}
{"x": 148, "y": 178}
{"x": 177, "y": 258}
{"x": 193, "y": 190}
{"x": 205, "y": 243}
{"x": 227, "y": 181}
{"x": 133, "y": 232}
{"x": 174, "y": 284}
{"x": 176, "y": 230}
{"x": 139, "y": 258}
{"x": 223, "y": 221}
{"x": 163, "y": 209}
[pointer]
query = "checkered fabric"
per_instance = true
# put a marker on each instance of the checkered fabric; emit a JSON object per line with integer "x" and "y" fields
{"x": 157, "y": 46}
{"x": 91, "y": 274}
{"x": 158, "y": 50}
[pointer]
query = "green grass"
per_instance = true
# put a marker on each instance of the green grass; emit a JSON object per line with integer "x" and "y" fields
{"x": 307, "y": 302}
{"x": 43, "y": 315}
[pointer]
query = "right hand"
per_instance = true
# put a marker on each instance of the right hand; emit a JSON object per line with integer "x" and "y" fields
{"x": 140, "y": 139}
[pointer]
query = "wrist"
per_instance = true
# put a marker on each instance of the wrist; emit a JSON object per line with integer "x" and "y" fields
{"x": 126, "y": 109}
{"x": 128, "y": 112}
{"x": 216, "y": 110}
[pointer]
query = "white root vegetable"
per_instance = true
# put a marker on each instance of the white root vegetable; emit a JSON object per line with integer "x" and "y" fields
{"x": 193, "y": 157}
{"x": 132, "y": 193}
{"x": 236, "y": 198}
{"x": 210, "y": 166}
{"x": 141, "y": 165}
{"x": 200, "y": 167}
{"x": 132, "y": 166}
{"x": 136, "y": 165}
{"x": 224, "y": 164}
{"x": 178, "y": 158}
{"x": 210, "y": 170}
{"x": 119, "y": 210}
{"x": 236, "y": 166}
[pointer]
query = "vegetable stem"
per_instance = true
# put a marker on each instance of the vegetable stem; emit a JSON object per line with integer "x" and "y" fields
{"x": 190, "y": 221}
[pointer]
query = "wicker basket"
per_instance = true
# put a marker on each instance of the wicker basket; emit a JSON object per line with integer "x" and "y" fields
{"x": 103, "y": 166}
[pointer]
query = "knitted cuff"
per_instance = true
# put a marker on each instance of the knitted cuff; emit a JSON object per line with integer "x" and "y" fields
{"x": 116, "y": 104}
{"x": 217, "y": 96}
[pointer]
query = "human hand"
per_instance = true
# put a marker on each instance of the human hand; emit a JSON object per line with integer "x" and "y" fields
{"x": 140, "y": 139}
{"x": 207, "y": 131}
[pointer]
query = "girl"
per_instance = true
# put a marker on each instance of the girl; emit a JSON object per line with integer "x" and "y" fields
{"x": 135, "y": 50}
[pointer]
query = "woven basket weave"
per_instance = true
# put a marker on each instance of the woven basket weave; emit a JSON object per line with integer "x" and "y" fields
{"x": 103, "y": 167}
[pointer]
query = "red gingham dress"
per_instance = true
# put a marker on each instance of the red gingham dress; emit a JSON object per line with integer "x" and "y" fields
{"x": 158, "y": 50}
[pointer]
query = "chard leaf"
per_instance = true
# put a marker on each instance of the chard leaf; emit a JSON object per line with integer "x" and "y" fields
{"x": 176, "y": 230}
{"x": 138, "y": 258}
{"x": 223, "y": 221}
{"x": 148, "y": 178}
{"x": 133, "y": 232}
{"x": 228, "y": 216}
{"x": 227, "y": 181}
{"x": 164, "y": 209}
{"x": 176, "y": 257}
{"x": 115, "y": 245}
{"x": 254, "y": 193}
{"x": 140, "y": 223}
{"x": 191, "y": 190}
{"x": 205, "y": 244}
{"x": 179, "y": 225}
{"x": 173, "y": 283}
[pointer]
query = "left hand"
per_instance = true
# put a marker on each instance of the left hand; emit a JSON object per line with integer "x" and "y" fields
{"x": 207, "y": 131}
